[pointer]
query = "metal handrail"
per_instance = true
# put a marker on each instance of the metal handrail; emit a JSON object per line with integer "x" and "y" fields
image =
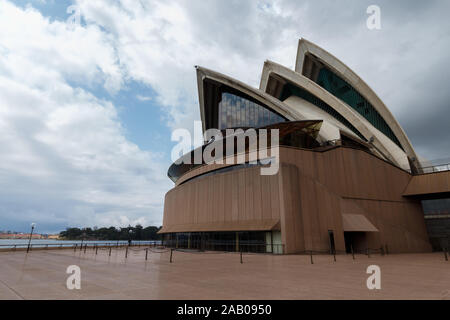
{"x": 78, "y": 244}
{"x": 158, "y": 248}
{"x": 436, "y": 168}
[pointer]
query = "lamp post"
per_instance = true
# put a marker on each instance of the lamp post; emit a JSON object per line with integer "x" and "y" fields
{"x": 31, "y": 234}
{"x": 129, "y": 238}
{"x": 82, "y": 239}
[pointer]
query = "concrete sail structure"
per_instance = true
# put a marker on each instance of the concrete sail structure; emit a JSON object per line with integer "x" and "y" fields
{"x": 338, "y": 79}
{"x": 344, "y": 163}
{"x": 210, "y": 86}
{"x": 314, "y": 101}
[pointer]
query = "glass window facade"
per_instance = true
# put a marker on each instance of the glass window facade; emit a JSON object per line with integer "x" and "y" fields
{"x": 436, "y": 206}
{"x": 437, "y": 220}
{"x": 239, "y": 112}
{"x": 231, "y": 168}
{"x": 291, "y": 90}
{"x": 344, "y": 91}
{"x": 245, "y": 241}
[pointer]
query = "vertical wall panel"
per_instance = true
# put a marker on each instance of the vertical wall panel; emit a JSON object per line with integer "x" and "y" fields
{"x": 307, "y": 198}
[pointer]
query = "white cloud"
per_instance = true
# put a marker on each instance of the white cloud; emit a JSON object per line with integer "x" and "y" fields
{"x": 159, "y": 43}
{"x": 64, "y": 158}
{"x": 39, "y": 51}
{"x": 73, "y": 141}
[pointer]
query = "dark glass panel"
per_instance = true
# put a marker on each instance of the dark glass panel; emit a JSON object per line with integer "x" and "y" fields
{"x": 249, "y": 241}
{"x": 291, "y": 90}
{"x": 344, "y": 91}
{"x": 235, "y": 111}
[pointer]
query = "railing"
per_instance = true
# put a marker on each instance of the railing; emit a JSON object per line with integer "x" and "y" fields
{"x": 443, "y": 166}
{"x": 67, "y": 245}
{"x": 243, "y": 249}
{"x": 435, "y": 168}
{"x": 247, "y": 249}
{"x": 366, "y": 251}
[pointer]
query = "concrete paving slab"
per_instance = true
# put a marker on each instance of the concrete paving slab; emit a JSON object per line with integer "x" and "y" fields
{"x": 42, "y": 275}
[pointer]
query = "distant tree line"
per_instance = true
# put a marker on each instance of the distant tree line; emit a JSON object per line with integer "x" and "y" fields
{"x": 134, "y": 233}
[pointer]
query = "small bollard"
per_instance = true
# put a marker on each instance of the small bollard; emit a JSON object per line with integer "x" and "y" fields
{"x": 171, "y": 250}
{"x": 96, "y": 248}
{"x": 75, "y": 247}
{"x": 146, "y": 253}
{"x": 85, "y": 246}
{"x": 353, "y": 252}
{"x": 126, "y": 252}
{"x": 310, "y": 253}
{"x": 110, "y": 251}
{"x": 241, "y": 256}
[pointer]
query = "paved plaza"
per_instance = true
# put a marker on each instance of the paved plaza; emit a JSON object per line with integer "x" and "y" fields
{"x": 42, "y": 275}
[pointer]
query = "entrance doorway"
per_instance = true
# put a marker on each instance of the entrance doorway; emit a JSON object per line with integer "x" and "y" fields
{"x": 331, "y": 237}
{"x": 356, "y": 240}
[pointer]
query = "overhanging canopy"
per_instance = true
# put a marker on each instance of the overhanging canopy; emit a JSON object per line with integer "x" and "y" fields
{"x": 243, "y": 225}
{"x": 357, "y": 222}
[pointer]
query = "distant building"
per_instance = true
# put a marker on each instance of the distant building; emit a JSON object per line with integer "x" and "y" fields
{"x": 19, "y": 236}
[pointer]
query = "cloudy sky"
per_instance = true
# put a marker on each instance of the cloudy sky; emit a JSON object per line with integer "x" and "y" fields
{"x": 87, "y": 109}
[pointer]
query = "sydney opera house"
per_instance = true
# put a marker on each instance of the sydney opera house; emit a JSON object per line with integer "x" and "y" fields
{"x": 348, "y": 177}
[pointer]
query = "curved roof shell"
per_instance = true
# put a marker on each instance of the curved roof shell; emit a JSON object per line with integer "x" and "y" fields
{"x": 275, "y": 76}
{"x": 317, "y": 101}
{"x": 308, "y": 49}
